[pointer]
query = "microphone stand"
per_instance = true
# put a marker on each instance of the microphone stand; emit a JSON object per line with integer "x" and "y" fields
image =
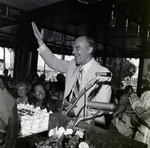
{"x": 99, "y": 112}
{"x": 84, "y": 109}
{"x": 83, "y": 91}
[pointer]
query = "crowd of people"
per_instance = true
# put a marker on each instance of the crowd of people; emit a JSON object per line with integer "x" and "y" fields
{"x": 37, "y": 92}
{"x": 83, "y": 74}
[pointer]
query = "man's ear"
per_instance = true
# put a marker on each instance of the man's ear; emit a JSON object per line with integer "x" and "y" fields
{"x": 90, "y": 50}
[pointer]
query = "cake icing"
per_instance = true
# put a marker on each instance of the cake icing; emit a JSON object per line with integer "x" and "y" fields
{"x": 32, "y": 119}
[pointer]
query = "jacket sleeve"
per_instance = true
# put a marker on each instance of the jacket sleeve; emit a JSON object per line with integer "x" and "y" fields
{"x": 12, "y": 129}
{"x": 52, "y": 61}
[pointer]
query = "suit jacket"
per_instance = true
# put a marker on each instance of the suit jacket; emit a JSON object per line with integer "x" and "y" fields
{"x": 8, "y": 120}
{"x": 70, "y": 68}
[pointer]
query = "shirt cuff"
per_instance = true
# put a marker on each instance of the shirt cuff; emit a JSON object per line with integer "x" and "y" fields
{"x": 41, "y": 48}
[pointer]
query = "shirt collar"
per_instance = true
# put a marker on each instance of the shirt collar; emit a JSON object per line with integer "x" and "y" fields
{"x": 87, "y": 65}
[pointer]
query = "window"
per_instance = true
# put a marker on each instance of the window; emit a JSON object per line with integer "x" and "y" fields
{"x": 7, "y": 60}
{"x": 69, "y": 58}
{"x": 133, "y": 79}
{"x": 125, "y": 71}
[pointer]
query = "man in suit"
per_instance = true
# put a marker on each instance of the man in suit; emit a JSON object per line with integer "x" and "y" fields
{"x": 83, "y": 49}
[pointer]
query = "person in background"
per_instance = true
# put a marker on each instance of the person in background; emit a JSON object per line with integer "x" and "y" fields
{"x": 83, "y": 51}
{"x": 42, "y": 78}
{"x": 2, "y": 83}
{"x": 29, "y": 80}
{"x": 22, "y": 91}
{"x": 124, "y": 112}
{"x": 56, "y": 95}
{"x": 122, "y": 121}
{"x": 124, "y": 100}
{"x": 35, "y": 78}
{"x": 8, "y": 120}
{"x": 61, "y": 81}
{"x": 7, "y": 78}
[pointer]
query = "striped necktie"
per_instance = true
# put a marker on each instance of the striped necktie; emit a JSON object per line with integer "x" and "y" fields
{"x": 76, "y": 87}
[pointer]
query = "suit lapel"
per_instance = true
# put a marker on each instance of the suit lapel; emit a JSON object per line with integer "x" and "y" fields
{"x": 72, "y": 80}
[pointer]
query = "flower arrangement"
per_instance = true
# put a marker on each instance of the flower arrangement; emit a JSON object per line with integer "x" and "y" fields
{"x": 69, "y": 137}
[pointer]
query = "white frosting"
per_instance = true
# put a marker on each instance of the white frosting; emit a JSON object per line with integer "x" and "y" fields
{"x": 32, "y": 119}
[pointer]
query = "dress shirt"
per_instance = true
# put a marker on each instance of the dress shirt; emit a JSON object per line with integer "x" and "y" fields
{"x": 41, "y": 48}
{"x": 86, "y": 68}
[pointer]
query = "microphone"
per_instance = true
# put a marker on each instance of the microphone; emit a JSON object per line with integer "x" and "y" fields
{"x": 101, "y": 106}
{"x": 104, "y": 74}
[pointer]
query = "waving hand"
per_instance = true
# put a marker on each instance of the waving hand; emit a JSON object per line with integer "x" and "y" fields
{"x": 38, "y": 35}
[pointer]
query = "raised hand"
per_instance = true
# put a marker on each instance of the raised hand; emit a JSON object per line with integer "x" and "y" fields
{"x": 134, "y": 98}
{"x": 134, "y": 101}
{"x": 38, "y": 34}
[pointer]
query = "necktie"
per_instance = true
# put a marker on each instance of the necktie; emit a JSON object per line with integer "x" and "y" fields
{"x": 76, "y": 87}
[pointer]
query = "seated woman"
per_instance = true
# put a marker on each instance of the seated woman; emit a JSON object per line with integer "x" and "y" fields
{"x": 124, "y": 100}
{"x": 121, "y": 120}
{"x": 40, "y": 97}
{"x": 22, "y": 91}
{"x": 124, "y": 112}
{"x": 141, "y": 106}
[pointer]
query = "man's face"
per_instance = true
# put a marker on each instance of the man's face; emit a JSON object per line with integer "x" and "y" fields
{"x": 81, "y": 51}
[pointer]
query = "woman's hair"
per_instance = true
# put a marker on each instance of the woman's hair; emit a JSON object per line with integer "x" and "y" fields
{"x": 36, "y": 84}
{"x": 127, "y": 88}
{"x": 144, "y": 89}
{"x": 22, "y": 84}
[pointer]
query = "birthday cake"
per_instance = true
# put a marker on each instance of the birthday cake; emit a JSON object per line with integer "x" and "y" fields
{"x": 32, "y": 120}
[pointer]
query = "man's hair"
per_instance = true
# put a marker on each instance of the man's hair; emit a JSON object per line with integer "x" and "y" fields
{"x": 91, "y": 43}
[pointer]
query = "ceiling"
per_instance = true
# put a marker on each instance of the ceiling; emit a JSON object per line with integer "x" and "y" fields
{"x": 64, "y": 20}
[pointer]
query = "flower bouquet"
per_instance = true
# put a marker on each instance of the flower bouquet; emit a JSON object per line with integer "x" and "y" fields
{"x": 69, "y": 137}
